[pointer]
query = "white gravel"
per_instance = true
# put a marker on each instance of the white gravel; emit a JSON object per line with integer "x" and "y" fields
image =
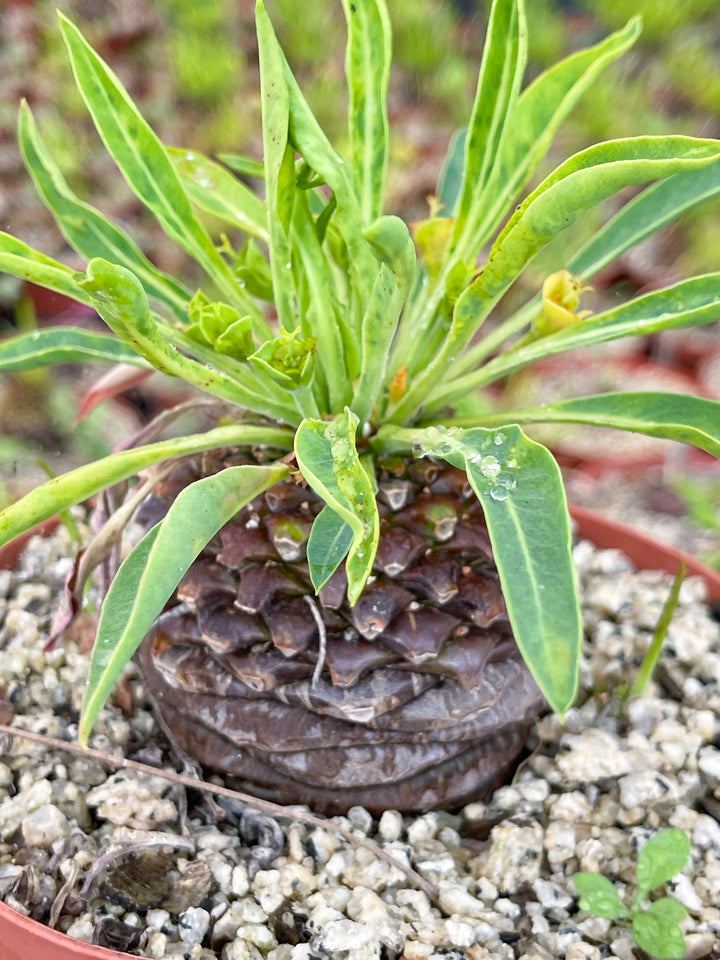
{"x": 591, "y": 793}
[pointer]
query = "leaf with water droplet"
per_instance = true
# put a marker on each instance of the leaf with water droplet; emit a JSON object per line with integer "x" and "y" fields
{"x": 529, "y": 529}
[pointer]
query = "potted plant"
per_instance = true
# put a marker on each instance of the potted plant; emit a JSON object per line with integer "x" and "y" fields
{"x": 356, "y": 586}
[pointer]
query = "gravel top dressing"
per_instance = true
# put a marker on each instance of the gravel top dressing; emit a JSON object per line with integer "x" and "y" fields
{"x": 136, "y": 862}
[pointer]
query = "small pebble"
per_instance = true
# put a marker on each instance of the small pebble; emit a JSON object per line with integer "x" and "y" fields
{"x": 193, "y": 924}
{"x": 45, "y": 826}
{"x": 390, "y": 825}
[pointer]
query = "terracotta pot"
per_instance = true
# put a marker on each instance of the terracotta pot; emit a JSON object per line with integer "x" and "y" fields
{"x": 25, "y": 939}
{"x": 645, "y": 551}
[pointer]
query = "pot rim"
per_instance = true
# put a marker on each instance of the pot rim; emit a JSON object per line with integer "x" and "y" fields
{"x": 645, "y": 551}
{"x": 28, "y": 938}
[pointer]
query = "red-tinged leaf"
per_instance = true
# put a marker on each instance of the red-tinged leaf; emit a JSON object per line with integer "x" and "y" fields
{"x": 115, "y": 381}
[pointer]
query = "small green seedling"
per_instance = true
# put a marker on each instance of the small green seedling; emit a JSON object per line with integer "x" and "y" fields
{"x": 655, "y": 928}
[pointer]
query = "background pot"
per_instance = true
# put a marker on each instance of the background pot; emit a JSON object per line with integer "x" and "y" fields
{"x": 645, "y": 551}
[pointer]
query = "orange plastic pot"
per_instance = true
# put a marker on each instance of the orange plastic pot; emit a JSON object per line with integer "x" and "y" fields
{"x": 25, "y": 939}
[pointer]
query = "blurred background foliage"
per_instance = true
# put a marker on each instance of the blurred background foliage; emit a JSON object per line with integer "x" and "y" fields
{"x": 193, "y": 68}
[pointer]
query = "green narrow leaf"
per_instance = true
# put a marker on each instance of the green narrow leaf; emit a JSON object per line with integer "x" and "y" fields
{"x": 367, "y": 66}
{"x": 321, "y": 312}
{"x": 537, "y": 115}
{"x": 673, "y": 416}
{"x": 280, "y": 186}
{"x": 501, "y": 73}
{"x": 245, "y": 166}
{"x": 146, "y": 580}
{"x": 87, "y": 230}
{"x": 652, "y": 655}
{"x": 328, "y": 545}
{"x": 77, "y": 485}
{"x": 41, "y": 348}
{"x": 394, "y": 248}
{"x": 308, "y": 138}
{"x": 654, "y": 208}
{"x": 329, "y": 461}
{"x": 656, "y": 931}
{"x": 142, "y": 158}
{"x": 598, "y": 896}
{"x": 581, "y": 182}
{"x": 660, "y": 859}
{"x": 519, "y": 485}
{"x": 451, "y": 174}
{"x": 22, "y": 261}
{"x": 216, "y": 191}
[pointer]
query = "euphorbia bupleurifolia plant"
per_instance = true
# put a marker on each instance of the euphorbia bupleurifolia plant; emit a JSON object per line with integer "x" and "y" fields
{"x": 341, "y": 529}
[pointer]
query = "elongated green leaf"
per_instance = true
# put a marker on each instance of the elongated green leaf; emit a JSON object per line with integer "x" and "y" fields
{"x": 576, "y": 185}
{"x": 674, "y": 416}
{"x": 660, "y": 859}
{"x": 654, "y": 208}
{"x": 451, "y": 174}
{"x": 328, "y": 545}
{"x": 216, "y": 191}
{"x": 686, "y": 304}
{"x": 599, "y": 896}
{"x": 245, "y": 166}
{"x": 86, "y": 481}
{"x": 519, "y": 485}
{"x": 307, "y": 136}
{"x": 537, "y": 115}
{"x": 142, "y": 158}
{"x": 119, "y": 298}
{"x": 41, "y": 348}
{"x": 149, "y": 575}
{"x": 367, "y": 66}
{"x": 86, "y": 229}
{"x": 280, "y": 184}
{"x": 22, "y": 261}
{"x": 393, "y": 246}
{"x": 501, "y": 73}
{"x": 329, "y": 461}
{"x": 656, "y": 929}
{"x": 320, "y": 310}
